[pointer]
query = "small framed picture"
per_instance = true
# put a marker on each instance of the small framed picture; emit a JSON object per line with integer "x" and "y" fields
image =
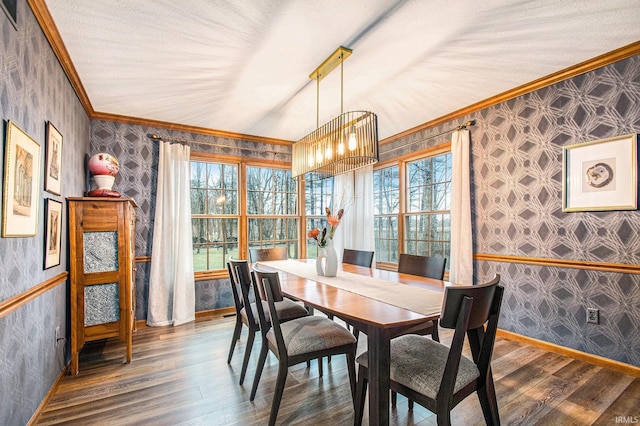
{"x": 53, "y": 164}
{"x": 601, "y": 175}
{"x": 52, "y": 233}
{"x": 21, "y": 184}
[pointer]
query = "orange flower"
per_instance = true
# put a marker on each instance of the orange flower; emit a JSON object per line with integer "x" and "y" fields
{"x": 314, "y": 233}
{"x": 333, "y": 220}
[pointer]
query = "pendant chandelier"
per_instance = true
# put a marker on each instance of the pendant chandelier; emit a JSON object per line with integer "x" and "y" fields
{"x": 348, "y": 142}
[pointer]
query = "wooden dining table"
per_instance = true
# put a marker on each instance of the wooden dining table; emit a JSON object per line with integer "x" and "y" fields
{"x": 378, "y": 319}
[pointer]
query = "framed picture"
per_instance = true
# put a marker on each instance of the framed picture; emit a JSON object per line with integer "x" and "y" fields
{"x": 10, "y": 8}
{"x": 21, "y": 184}
{"x": 52, "y": 233}
{"x": 53, "y": 164}
{"x": 600, "y": 175}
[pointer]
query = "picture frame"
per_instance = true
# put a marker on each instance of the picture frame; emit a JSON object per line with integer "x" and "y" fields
{"x": 600, "y": 175}
{"x": 53, "y": 162}
{"x": 52, "y": 233}
{"x": 10, "y": 8}
{"x": 21, "y": 191}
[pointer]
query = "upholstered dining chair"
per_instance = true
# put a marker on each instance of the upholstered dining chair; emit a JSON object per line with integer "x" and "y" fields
{"x": 287, "y": 309}
{"x": 440, "y": 377}
{"x": 358, "y": 257}
{"x": 274, "y": 253}
{"x": 297, "y": 341}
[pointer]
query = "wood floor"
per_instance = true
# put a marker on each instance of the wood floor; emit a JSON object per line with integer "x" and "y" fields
{"x": 180, "y": 376}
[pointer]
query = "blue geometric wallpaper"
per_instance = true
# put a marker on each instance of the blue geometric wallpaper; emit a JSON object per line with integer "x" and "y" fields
{"x": 34, "y": 90}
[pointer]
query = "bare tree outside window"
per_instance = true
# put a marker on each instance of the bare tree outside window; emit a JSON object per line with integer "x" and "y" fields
{"x": 214, "y": 214}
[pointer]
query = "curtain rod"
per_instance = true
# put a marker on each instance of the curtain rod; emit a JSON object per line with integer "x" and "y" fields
{"x": 460, "y": 127}
{"x": 154, "y": 137}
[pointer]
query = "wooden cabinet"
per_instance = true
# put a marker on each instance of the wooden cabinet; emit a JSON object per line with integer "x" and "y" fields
{"x": 102, "y": 260}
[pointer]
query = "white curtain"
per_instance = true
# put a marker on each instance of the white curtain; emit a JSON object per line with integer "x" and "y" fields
{"x": 172, "y": 285}
{"x": 355, "y": 191}
{"x": 461, "y": 259}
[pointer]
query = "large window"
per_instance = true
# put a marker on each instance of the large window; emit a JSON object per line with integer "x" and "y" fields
{"x": 413, "y": 218}
{"x": 318, "y": 195}
{"x": 386, "y": 195}
{"x": 214, "y": 210}
{"x": 427, "y": 222}
{"x": 272, "y": 198}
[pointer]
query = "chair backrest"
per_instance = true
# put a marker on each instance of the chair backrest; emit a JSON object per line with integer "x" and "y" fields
{"x": 467, "y": 309}
{"x": 357, "y": 257}
{"x": 237, "y": 298}
{"x": 239, "y": 270}
{"x": 275, "y": 253}
{"x": 483, "y": 301}
{"x": 424, "y": 266}
{"x": 270, "y": 283}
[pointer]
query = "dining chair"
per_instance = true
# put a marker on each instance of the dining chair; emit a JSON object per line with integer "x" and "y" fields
{"x": 273, "y": 253}
{"x": 287, "y": 309}
{"x": 357, "y": 257}
{"x": 424, "y": 266}
{"x": 296, "y": 341}
{"x": 239, "y": 305}
{"x": 440, "y": 377}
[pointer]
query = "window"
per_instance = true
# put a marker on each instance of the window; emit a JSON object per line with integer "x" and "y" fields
{"x": 318, "y": 195}
{"x": 427, "y": 222}
{"x": 386, "y": 196}
{"x": 214, "y": 212}
{"x": 414, "y": 218}
{"x": 272, "y": 199}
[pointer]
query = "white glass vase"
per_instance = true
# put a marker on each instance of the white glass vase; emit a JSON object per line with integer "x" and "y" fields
{"x": 331, "y": 264}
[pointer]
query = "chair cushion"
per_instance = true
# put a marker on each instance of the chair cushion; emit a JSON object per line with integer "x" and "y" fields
{"x": 418, "y": 363}
{"x": 287, "y": 309}
{"x": 311, "y": 334}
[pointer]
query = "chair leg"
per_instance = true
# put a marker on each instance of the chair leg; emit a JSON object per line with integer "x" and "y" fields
{"x": 247, "y": 355}
{"x": 356, "y": 333}
{"x": 434, "y": 333}
{"x": 489, "y": 402}
{"x": 236, "y": 335}
{"x": 263, "y": 356}
{"x": 361, "y": 392}
{"x": 277, "y": 394}
{"x": 410, "y": 404}
{"x": 351, "y": 367}
{"x": 320, "y": 372}
{"x": 394, "y": 398}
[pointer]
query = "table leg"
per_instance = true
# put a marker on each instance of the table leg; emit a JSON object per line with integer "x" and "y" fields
{"x": 378, "y": 346}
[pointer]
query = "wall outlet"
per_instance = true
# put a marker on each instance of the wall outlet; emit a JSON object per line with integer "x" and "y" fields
{"x": 57, "y": 336}
{"x": 593, "y": 316}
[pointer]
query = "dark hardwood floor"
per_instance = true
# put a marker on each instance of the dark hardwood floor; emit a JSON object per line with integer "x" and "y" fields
{"x": 179, "y": 376}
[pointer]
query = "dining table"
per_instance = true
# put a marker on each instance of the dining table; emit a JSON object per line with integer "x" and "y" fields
{"x": 379, "y": 303}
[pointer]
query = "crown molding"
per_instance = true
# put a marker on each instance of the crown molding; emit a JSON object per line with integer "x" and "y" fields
{"x": 625, "y": 52}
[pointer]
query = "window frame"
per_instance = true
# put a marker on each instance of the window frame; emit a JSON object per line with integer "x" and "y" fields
{"x": 401, "y": 163}
{"x": 243, "y": 222}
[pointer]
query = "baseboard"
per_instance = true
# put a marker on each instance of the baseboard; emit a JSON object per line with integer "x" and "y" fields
{"x": 573, "y": 353}
{"x": 36, "y": 416}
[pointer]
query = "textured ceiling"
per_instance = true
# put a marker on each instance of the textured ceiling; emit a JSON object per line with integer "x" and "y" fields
{"x": 243, "y": 65}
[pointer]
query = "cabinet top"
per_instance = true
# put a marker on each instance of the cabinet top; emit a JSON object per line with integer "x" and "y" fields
{"x": 111, "y": 199}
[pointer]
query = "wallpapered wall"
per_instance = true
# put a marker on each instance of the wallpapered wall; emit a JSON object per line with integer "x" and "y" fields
{"x": 138, "y": 157}
{"x": 34, "y": 90}
{"x": 517, "y": 210}
{"x": 516, "y": 172}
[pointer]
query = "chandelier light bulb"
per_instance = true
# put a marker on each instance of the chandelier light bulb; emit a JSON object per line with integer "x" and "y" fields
{"x": 319, "y": 155}
{"x": 353, "y": 142}
{"x": 311, "y": 161}
{"x": 341, "y": 148}
{"x": 327, "y": 152}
